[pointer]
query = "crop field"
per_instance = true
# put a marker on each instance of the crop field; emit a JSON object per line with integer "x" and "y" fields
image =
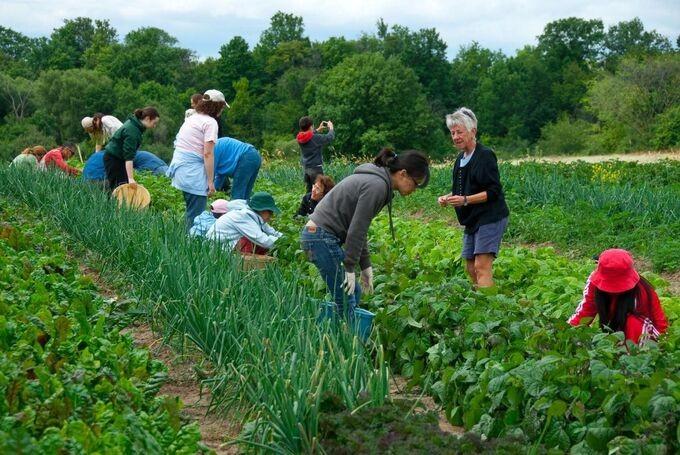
{"x": 502, "y": 365}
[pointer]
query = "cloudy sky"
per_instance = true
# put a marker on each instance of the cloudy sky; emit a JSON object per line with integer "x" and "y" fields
{"x": 204, "y": 25}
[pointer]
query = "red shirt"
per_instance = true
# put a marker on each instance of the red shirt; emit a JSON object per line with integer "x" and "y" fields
{"x": 55, "y": 158}
{"x": 648, "y": 319}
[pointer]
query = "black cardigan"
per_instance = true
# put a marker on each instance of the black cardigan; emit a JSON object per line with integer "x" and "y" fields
{"x": 480, "y": 174}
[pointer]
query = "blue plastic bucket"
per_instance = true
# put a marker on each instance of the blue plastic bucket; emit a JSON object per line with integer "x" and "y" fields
{"x": 363, "y": 319}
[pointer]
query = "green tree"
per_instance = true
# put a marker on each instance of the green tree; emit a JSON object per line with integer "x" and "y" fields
{"x": 242, "y": 118}
{"x": 374, "y": 99}
{"x": 69, "y": 42}
{"x": 572, "y": 40}
{"x": 21, "y": 55}
{"x": 150, "y": 54}
{"x": 18, "y": 97}
{"x": 334, "y": 50}
{"x": 628, "y": 101}
{"x": 67, "y": 96}
{"x": 235, "y": 61}
{"x": 630, "y": 37}
{"x": 471, "y": 66}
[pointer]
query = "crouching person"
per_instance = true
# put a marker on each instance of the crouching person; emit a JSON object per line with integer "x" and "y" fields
{"x": 247, "y": 230}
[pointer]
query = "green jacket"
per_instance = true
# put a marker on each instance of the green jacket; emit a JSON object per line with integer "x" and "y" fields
{"x": 126, "y": 141}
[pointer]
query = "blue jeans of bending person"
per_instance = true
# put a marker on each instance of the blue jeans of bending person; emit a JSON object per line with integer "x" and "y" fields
{"x": 246, "y": 171}
{"x": 323, "y": 249}
{"x": 195, "y": 206}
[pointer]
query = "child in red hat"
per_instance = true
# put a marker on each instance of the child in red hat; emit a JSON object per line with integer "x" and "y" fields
{"x": 624, "y": 301}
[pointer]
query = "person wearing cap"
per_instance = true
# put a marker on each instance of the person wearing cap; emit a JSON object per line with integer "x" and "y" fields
{"x": 56, "y": 158}
{"x": 219, "y": 207}
{"x": 101, "y": 128}
{"x": 240, "y": 161}
{"x": 192, "y": 168}
{"x": 321, "y": 187}
{"x": 143, "y": 161}
{"x": 477, "y": 197}
{"x": 311, "y": 143}
{"x": 120, "y": 151}
{"x": 247, "y": 230}
{"x": 623, "y": 300}
{"x": 343, "y": 216}
{"x": 30, "y": 157}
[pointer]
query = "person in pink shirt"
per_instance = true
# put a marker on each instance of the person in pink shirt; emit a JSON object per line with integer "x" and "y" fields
{"x": 57, "y": 158}
{"x": 623, "y": 300}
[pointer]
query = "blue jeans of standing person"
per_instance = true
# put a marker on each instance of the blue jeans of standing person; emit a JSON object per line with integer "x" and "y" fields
{"x": 324, "y": 251}
{"x": 195, "y": 206}
{"x": 245, "y": 174}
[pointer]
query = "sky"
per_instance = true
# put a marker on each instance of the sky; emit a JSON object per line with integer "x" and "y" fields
{"x": 204, "y": 25}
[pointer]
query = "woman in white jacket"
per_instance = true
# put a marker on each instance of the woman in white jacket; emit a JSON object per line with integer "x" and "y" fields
{"x": 247, "y": 230}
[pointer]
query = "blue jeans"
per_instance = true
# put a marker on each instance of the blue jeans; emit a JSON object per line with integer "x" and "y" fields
{"x": 245, "y": 174}
{"x": 195, "y": 206}
{"x": 324, "y": 251}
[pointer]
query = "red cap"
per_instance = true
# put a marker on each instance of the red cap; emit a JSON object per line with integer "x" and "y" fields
{"x": 615, "y": 272}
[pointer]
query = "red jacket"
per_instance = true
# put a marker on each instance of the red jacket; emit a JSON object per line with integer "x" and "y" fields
{"x": 648, "y": 320}
{"x": 54, "y": 158}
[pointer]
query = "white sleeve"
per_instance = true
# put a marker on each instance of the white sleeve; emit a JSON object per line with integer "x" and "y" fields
{"x": 251, "y": 229}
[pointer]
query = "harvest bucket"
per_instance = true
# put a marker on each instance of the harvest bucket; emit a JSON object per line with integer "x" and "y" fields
{"x": 256, "y": 261}
{"x": 363, "y": 319}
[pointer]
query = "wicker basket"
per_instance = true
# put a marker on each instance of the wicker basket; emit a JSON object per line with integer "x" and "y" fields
{"x": 256, "y": 261}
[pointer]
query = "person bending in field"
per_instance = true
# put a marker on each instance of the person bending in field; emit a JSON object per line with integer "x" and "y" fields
{"x": 143, "y": 161}
{"x": 219, "y": 207}
{"x": 623, "y": 300}
{"x": 30, "y": 157}
{"x": 247, "y": 230}
{"x": 56, "y": 158}
{"x": 120, "y": 151}
{"x": 239, "y": 161}
{"x": 101, "y": 128}
{"x": 311, "y": 143}
{"x": 343, "y": 217}
{"x": 321, "y": 187}
{"x": 477, "y": 197}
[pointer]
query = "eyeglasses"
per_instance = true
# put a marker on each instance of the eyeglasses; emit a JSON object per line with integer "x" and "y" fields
{"x": 422, "y": 183}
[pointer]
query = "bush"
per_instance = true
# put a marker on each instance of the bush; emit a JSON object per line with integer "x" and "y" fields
{"x": 565, "y": 136}
{"x": 667, "y": 129}
{"x": 16, "y": 136}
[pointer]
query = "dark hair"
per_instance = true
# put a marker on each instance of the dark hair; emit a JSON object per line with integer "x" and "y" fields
{"x": 97, "y": 116}
{"x": 305, "y": 123}
{"x": 211, "y": 108}
{"x": 148, "y": 111}
{"x": 196, "y": 97}
{"x": 70, "y": 146}
{"x": 625, "y": 305}
{"x": 326, "y": 181}
{"x": 414, "y": 162}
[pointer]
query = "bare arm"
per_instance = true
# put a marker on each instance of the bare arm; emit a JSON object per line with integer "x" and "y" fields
{"x": 209, "y": 163}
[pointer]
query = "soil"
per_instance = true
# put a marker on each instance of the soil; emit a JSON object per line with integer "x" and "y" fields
{"x": 640, "y": 157}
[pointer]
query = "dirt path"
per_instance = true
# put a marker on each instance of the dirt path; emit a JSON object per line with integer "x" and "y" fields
{"x": 182, "y": 379}
{"x": 640, "y": 157}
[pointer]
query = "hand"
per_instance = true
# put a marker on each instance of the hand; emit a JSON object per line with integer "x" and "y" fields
{"x": 211, "y": 188}
{"x": 367, "y": 280}
{"x": 132, "y": 183}
{"x": 456, "y": 201}
{"x": 329, "y": 124}
{"x": 441, "y": 200}
{"x": 350, "y": 283}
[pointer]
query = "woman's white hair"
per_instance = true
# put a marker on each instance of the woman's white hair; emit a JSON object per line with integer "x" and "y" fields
{"x": 464, "y": 117}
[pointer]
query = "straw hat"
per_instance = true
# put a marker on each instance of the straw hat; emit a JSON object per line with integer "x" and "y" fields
{"x": 138, "y": 197}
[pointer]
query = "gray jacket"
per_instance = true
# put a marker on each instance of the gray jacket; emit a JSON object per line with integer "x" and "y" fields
{"x": 348, "y": 209}
{"x": 312, "y": 147}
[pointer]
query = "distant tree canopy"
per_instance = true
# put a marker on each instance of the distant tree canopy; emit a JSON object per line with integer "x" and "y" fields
{"x": 615, "y": 88}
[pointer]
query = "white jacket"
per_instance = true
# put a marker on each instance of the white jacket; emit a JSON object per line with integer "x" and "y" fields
{"x": 233, "y": 225}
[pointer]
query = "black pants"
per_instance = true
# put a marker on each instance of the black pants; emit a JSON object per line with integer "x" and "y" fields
{"x": 310, "y": 176}
{"x": 115, "y": 171}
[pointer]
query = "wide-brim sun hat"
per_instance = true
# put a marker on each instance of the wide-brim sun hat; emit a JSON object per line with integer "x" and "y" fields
{"x": 615, "y": 272}
{"x": 261, "y": 201}
{"x": 138, "y": 197}
{"x": 219, "y": 206}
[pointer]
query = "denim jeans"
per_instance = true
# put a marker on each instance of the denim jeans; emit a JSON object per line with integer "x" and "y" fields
{"x": 324, "y": 251}
{"x": 195, "y": 206}
{"x": 245, "y": 174}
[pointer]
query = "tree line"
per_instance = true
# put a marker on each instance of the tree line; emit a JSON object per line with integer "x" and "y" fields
{"x": 583, "y": 88}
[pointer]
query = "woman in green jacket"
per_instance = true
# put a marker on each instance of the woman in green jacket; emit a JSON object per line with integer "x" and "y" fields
{"x": 123, "y": 145}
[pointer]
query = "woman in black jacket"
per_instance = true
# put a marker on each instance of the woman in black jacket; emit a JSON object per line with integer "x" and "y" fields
{"x": 477, "y": 197}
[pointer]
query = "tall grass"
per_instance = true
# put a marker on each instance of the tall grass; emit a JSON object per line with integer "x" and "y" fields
{"x": 272, "y": 359}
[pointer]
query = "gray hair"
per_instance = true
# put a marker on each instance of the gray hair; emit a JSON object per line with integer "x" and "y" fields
{"x": 464, "y": 117}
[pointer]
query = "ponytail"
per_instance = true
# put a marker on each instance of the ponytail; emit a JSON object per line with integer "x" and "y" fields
{"x": 148, "y": 111}
{"x": 413, "y": 161}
